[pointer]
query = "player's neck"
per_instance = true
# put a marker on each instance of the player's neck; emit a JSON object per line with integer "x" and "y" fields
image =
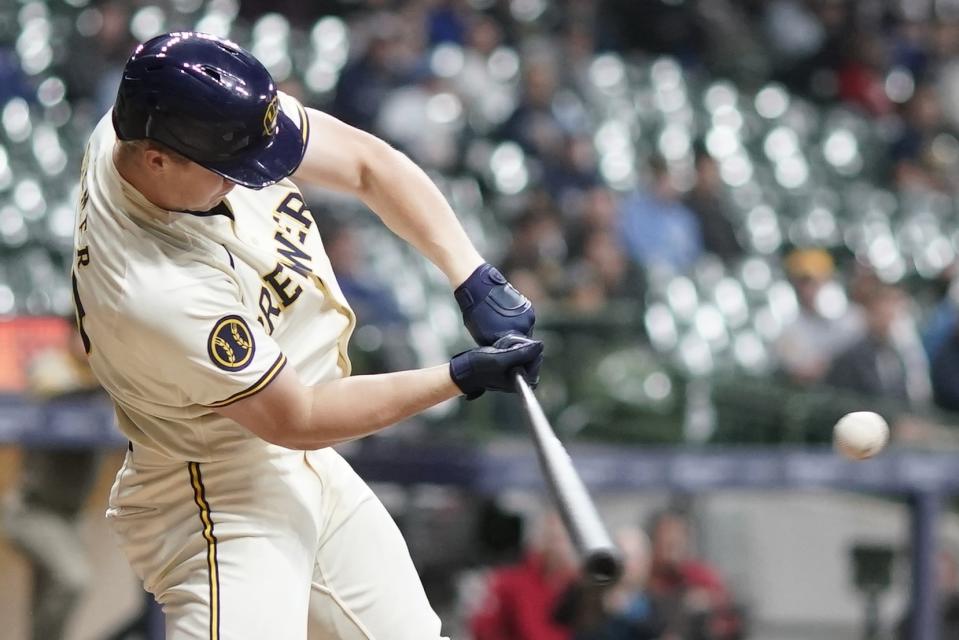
{"x": 131, "y": 171}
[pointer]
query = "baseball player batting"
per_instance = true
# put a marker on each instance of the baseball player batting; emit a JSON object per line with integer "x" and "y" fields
{"x": 211, "y": 315}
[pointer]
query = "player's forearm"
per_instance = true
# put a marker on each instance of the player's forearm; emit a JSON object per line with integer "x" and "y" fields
{"x": 344, "y": 158}
{"x": 358, "y": 406}
{"x": 414, "y": 208}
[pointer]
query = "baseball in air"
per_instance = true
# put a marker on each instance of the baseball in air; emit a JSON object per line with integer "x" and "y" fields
{"x": 860, "y": 435}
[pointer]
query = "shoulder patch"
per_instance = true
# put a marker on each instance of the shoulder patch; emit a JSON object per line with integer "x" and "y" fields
{"x": 231, "y": 344}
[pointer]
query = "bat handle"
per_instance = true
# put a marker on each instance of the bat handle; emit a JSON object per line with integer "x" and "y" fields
{"x": 521, "y": 385}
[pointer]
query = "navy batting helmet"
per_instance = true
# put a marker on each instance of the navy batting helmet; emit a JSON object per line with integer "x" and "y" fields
{"x": 211, "y": 101}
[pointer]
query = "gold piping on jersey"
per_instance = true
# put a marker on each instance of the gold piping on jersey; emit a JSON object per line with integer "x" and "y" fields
{"x": 199, "y": 496}
{"x": 343, "y": 358}
{"x": 264, "y": 380}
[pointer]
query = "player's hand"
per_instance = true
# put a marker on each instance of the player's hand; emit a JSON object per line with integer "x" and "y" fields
{"x": 491, "y": 306}
{"x": 493, "y": 368}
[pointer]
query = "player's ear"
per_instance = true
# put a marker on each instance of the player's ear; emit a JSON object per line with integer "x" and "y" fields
{"x": 156, "y": 160}
{"x": 159, "y": 158}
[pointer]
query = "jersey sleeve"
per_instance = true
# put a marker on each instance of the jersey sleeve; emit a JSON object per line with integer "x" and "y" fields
{"x": 203, "y": 342}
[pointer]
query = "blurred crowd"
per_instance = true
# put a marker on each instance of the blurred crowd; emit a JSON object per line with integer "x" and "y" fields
{"x": 607, "y": 155}
{"x": 433, "y": 78}
{"x": 666, "y": 592}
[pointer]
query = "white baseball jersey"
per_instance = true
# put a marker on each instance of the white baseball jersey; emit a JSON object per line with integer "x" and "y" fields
{"x": 181, "y": 313}
{"x": 185, "y": 312}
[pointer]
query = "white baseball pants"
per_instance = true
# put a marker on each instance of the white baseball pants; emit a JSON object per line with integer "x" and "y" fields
{"x": 274, "y": 544}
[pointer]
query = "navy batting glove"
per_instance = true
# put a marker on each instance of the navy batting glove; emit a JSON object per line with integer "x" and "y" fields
{"x": 492, "y": 368}
{"x": 491, "y": 306}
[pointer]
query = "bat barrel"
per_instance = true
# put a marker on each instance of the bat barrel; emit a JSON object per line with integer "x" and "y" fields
{"x": 600, "y": 558}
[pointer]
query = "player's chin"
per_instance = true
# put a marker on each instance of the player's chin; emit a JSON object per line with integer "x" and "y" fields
{"x": 223, "y": 194}
{"x": 214, "y": 202}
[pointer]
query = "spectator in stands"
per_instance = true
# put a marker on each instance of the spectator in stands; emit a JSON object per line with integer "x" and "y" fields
{"x": 947, "y": 70}
{"x": 656, "y": 27}
{"x": 490, "y": 99}
{"x": 793, "y": 31}
{"x": 538, "y": 248}
{"x": 903, "y": 336}
{"x": 98, "y": 54}
{"x": 918, "y": 166}
{"x": 446, "y": 21}
{"x": 862, "y": 74}
{"x": 534, "y": 124}
{"x": 390, "y": 56}
{"x": 807, "y": 346}
{"x": 624, "y": 612}
{"x": 660, "y": 232}
{"x": 13, "y": 82}
{"x": 886, "y": 367}
{"x": 909, "y": 46}
{"x": 944, "y": 370}
{"x": 809, "y": 37}
{"x": 872, "y": 366}
{"x": 520, "y": 599}
{"x": 733, "y": 47}
{"x": 940, "y": 320}
{"x": 579, "y": 49}
{"x": 603, "y": 275}
{"x": 597, "y": 210}
{"x": 409, "y": 120}
{"x": 705, "y": 199}
{"x": 41, "y": 517}
{"x": 696, "y": 604}
{"x": 573, "y": 172}
{"x": 586, "y": 292}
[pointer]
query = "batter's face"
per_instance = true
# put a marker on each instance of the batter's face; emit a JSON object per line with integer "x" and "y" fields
{"x": 196, "y": 188}
{"x": 185, "y": 185}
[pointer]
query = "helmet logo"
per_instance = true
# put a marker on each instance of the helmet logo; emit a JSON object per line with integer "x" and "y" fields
{"x": 270, "y": 117}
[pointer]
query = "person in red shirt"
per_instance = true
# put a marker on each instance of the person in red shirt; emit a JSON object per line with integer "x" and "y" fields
{"x": 862, "y": 75}
{"x": 520, "y": 599}
{"x": 694, "y": 597}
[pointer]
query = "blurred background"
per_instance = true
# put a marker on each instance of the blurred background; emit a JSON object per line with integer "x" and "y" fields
{"x": 736, "y": 219}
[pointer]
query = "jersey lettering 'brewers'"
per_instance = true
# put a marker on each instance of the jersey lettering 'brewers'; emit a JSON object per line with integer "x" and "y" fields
{"x": 211, "y": 314}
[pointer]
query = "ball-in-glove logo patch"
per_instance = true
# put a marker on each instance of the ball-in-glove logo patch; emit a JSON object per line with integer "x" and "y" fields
{"x": 271, "y": 117}
{"x": 231, "y": 344}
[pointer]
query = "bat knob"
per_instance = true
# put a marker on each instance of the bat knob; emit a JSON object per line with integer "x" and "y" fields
{"x": 603, "y": 567}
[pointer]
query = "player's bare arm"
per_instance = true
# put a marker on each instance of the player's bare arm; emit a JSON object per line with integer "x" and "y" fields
{"x": 346, "y": 159}
{"x": 293, "y": 415}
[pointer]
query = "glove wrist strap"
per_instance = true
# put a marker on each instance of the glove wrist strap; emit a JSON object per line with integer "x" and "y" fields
{"x": 474, "y": 288}
{"x": 460, "y": 370}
